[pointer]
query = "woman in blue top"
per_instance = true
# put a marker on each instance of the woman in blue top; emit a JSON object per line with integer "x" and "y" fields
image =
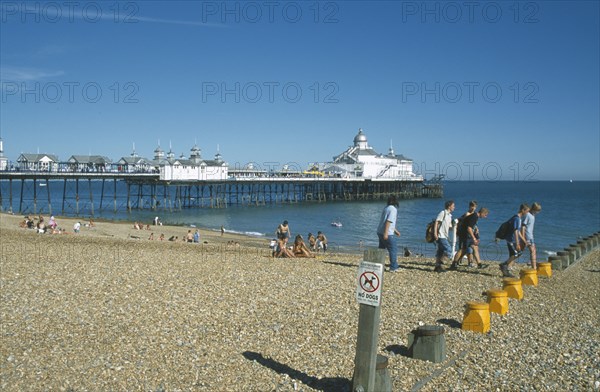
{"x": 527, "y": 224}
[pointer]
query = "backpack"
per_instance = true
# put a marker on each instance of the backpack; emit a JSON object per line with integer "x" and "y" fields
{"x": 504, "y": 230}
{"x": 429, "y": 234}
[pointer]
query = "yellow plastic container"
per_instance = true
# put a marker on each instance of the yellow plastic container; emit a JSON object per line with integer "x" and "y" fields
{"x": 529, "y": 276}
{"x": 513, "y": 287}
{"x": 498, "y": 300}
{"x": 477, "y": 317}
{"x": 544, "y": 269}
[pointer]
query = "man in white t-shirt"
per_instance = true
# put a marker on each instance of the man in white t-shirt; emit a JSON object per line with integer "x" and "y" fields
{"x": 441, "y": 231}
{"x": 387, "y": 232}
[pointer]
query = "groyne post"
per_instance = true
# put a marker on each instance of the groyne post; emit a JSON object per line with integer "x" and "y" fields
{"x": 367, "y": 341}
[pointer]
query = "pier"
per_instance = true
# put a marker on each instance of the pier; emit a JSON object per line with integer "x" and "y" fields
{"x": 93, "y": 193}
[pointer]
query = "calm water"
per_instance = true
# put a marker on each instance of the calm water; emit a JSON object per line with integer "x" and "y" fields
{"x": 569, "y": 210}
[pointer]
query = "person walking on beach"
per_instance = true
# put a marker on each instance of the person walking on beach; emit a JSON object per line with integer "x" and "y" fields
{"x": 463, "y": 236}
{"x": 387, "y": 232}
{"x": 441, "y": 232}
{"x": 471, "y": 240}
{"x": 527, "y": 232}
{"x": 483, "y": 213}
{"x": 513, "y": 241}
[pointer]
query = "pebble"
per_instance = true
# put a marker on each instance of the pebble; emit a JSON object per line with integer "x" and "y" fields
{"x": 156, "y": 316}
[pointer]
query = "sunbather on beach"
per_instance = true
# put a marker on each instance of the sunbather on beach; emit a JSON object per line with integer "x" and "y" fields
{"x": 300, "y": 249}
{"x": 282, "y": 250}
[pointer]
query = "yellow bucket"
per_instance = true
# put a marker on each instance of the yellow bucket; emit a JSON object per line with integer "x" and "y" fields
{"x": 498, "y": 301}
{"x": 477, "y": 317}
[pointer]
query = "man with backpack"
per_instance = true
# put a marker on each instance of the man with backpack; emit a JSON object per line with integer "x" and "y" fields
{"x": 513, "y": 237}
{"x": 441, "y": 230}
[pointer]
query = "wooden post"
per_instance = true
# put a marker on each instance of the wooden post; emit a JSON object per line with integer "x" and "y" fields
{"x": 77, "y": 196}
{"x": 115, "y": 195}
{"x": 34, "y": 196}
{"x": 368, "y": 335}
{"x": 64, "y": 195}
{"x": 48, "y": 192}
{"x": 10, "y": 195}
{"x": 128, "y": 197}
{"x": 101, "y": 195}
{"x": 21, "y": 199}
{"x": 91, "y": 196}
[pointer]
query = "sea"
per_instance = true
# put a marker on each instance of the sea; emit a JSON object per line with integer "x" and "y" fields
{"x": 570, "y": 210}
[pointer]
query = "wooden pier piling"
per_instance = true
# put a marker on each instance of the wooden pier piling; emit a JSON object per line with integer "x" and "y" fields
{"x": 147, "y": 191}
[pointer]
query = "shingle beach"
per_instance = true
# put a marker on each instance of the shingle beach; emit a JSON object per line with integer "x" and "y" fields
{"x": 104, "y": 311}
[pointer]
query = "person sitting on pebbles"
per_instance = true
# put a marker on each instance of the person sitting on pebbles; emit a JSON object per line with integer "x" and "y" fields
{"x": 300, "y": 249}
{"x": 281, "y": 250}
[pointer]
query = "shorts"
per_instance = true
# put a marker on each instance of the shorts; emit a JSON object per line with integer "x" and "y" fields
{"x": 512, "y": 250}
{"x": 321, "y": 245}
{"x": 444, "y": 248}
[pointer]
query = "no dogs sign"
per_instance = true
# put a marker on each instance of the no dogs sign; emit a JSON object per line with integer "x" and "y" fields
{"x": 368, "y": 289}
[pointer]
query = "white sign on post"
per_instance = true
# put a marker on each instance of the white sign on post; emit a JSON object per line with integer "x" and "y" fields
{"x": 368, "y": 289}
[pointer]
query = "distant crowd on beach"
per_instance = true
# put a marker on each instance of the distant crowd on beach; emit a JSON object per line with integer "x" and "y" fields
{"x": 299, "y": 248}
{"x": 39, "y": 224}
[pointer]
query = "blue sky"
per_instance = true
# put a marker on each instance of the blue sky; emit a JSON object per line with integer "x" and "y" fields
{"x": 475, "y": 90}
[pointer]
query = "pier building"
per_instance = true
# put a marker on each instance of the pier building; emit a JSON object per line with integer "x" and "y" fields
{"x": 134, "y": 163}
{"x": 361, "y": 160}
{"x": 193, "y": 168}
{"x": 3, "y": 159}
{"x": 38, "y": 162}
{"x": 89, "y": 163}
